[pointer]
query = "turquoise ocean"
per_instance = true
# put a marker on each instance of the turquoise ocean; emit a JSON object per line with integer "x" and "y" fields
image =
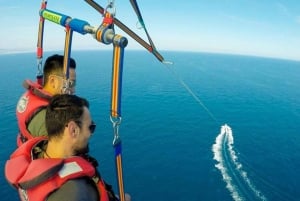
{"x": 173, "y": 148}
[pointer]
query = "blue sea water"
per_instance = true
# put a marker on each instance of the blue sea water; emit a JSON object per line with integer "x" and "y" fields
{"x": 171, "y": 118}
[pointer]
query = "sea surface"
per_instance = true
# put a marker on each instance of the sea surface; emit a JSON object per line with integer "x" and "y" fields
{"x": 173, "y": 145}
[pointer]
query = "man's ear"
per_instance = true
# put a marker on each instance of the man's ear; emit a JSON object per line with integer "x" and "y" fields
{"x": 52, "y": 81}
{"x": 77, "y": 130}
{"x": 73, "y": 129}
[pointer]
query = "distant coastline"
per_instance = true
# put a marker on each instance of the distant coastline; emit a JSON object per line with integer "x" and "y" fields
{"x": 7, "y": 52}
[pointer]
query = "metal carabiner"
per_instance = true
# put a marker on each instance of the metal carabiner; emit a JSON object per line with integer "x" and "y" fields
{"x": 116, "y": 121}
{"x": 39, "y": 66}
{"x": 66, "y": 87}
{"x": 110, "y": 6}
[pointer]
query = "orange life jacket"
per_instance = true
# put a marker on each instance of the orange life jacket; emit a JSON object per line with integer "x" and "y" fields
{"x": 35, "y": 179}
{"x": 31, "y": 102}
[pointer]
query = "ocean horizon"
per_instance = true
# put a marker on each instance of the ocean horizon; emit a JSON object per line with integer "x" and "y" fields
{"x": 174, "y": 147}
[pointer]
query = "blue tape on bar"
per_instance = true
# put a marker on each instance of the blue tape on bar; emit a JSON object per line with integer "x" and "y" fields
{"x": 78, "y": 25}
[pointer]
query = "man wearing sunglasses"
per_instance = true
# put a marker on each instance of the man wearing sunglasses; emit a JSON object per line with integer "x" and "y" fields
{"x": 53, "y": 168}
{"x": 31, "y": 106}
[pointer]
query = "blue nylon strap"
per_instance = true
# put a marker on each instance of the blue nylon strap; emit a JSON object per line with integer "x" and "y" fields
{"x": 118, "y": 148}
{"x": 119, "y": 169}
{"x": 117, "y": 71}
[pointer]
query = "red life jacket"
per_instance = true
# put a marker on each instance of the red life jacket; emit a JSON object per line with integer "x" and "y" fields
{"x": 31, "y": 102}
{"x": 36, "y": 179}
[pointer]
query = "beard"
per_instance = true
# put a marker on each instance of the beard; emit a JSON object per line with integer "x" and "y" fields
{"x": 82, "y": 151}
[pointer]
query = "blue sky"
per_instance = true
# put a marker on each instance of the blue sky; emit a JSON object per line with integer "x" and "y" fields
{"x": 253, "y": 27}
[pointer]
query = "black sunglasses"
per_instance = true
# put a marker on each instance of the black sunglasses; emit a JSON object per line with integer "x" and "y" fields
{"x": 92, "y": 127}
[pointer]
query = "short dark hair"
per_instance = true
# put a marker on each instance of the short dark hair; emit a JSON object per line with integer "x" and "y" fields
{"x": 54, "y": 65}
{"x": 62, "y": 109}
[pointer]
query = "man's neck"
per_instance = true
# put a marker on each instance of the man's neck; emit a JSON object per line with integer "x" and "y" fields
{"x": 59, "y": 149}
{"x": 49, "y": 90}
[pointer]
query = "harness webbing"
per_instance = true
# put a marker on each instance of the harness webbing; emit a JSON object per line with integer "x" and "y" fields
{"x": 118, "y": 157}
{"x": 39, "y": 51}
{"x": 67, "y": 51}
{"x": 119, "y": 43}
{"x": 117, "y": 81}
{"x": 67, "y": 55}
{"x": 122, "y": 26}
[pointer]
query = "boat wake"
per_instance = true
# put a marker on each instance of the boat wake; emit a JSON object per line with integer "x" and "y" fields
{"x": 236, "y": 179}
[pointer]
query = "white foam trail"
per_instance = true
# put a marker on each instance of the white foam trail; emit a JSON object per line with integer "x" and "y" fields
{"x": 218, "y": 156}
{"x": 227, "y": 136}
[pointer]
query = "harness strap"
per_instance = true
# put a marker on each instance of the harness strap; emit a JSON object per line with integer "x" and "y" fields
{"x": 119, "y": 43}
{"x": 39, "y": 52}
{"x": 67, "y": 53}
{"x": 117, "y": 70}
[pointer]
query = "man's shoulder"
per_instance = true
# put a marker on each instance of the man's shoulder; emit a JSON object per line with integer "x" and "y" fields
{"x": 37, "y": 126}
{"x": 75, "y": 190}
{"x": 39, "y": 117}
{"x": 29, "y": 102}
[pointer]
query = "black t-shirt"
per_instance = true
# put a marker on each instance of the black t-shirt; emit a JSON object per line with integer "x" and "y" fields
{"x": 82, "y": 189}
